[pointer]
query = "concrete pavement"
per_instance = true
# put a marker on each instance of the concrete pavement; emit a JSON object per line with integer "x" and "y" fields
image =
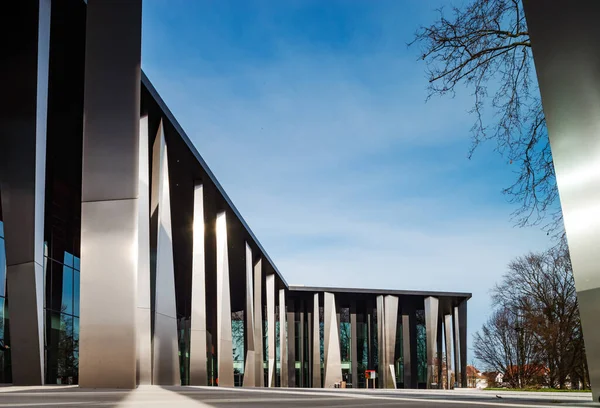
{"x": 208, "y": 397}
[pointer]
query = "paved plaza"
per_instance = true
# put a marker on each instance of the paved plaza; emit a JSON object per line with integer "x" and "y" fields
{"x": 154, "y": 396}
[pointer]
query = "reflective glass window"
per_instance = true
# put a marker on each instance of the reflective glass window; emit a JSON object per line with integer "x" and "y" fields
{"x": 76, "y": 263}
{"x": 67, "y": 290}
{"x": 2, "y": 268}
{"x": 76, "y": 288}
{"x": 68, "y": 259}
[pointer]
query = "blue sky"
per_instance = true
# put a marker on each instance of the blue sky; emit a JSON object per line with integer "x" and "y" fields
{"x": 312, "y": 115}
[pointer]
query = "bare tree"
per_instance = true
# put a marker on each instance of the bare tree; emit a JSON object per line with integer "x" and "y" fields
{"x": 505, "y": 346}
{"x": 485, "y": 47}
{"x": 542, "y": 289}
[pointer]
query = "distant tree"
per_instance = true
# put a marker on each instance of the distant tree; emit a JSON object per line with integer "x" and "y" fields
{"x": 534, "y": 336}
{"x": 484, "y": 46}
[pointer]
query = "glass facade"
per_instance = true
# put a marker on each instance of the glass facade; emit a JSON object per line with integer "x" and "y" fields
{"x": 421, "y": 349}
{"x": 239, "y": 352}
{"x": 5, "y": 370}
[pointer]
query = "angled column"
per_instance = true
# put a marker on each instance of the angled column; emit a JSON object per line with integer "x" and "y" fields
{"x": 457, "y": 352}
{"x": 332, "y": 356}
{"x": 258, "y": 322}
{"x": 448, "y": 343}
{"x": 282, "y": 341}
{"x": 354, "y": 345}
{"x": 144, "y": 307}
{"x": 250, "y": 361}
{"x": 22, "y": 181}
{"x": 224, "y": 337}
{"x": 270, "y": 283}
{"x": 439, "y": 354}
{"x": 462, "y": 331}
{"x": 564, "y": 39}
{"x": 391, "y": 323}
{"x": 198, "y": 346}
{"x": 109, "y": 210}
{"x": 431, "y": 326}
{"x": 408, "y": 352}
{"x": 316, "y": 344}
{"x": 291, "y": 345}
{"x": 381, "y": 356}
{"x": 165, "y": 355}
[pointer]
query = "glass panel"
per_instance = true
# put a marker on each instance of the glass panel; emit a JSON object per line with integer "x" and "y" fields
{"x": 76, "y": 289}
{"x": 2, "y": 268}
{"x": 68, "y": 259}
{"x": 67, "y": 290}
{"x": 5, "y": 367}
{"x": 76, "y": 262}
{"x": 1, "y": 229}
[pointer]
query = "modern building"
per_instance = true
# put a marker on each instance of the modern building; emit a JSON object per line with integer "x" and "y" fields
{"x": 124, "y": 262}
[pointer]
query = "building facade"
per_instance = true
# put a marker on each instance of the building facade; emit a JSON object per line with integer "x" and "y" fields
{"x": 124, "y": 262}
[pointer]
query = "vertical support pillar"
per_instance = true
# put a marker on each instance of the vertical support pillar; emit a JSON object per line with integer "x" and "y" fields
{"x": 291, "y": 344}
{"x": 109, "y": 210}
{"x": 439, "y": 354}
{"x": 198, "y": 346}
{"x": 305, "y": 359}
{"x": 332, "y": 355}
{"x": 283, "y": 361}
{"x": 316, "y": 344}
{"x": 390, "y": 326}
{"x": 25, "y": 65}
{"x": 382, "y": 370}
{"x": 224, "y": 337}
{"x": 271, "y": 328}
{"x": 250, "y": 364}
{"x": 165, "y": 361}
{"x": 431, "y": 326}
{"x": 144, "y": 304}
{"x": 407, "y": 333}
{"x": 369, "y": 318}
{"x": 564, "y": 38}
{"x": 462, "y": 328}
{"x": 448, "y": 342}
{"x": 457, "y": 349}
{"x": 354, "y": 345}
{"x": 258, "y": 328}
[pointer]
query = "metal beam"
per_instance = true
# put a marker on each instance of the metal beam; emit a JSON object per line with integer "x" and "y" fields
{"x": 224, "y": 337}
{"x": 448, "y": 342}
{"x": 198, "y": 345}
{"x": 431, "y": 327}
{"x": 271, "y": 329}
{"x": 250, "y": 363}
{"x": 109, "y": 210}
{"x": 332, "y": 357}
{"x": 390, "y": 327}
{"x": 259, "y": 326}
{"x": 283, "y": 379}
{"x": 564, "y": 39}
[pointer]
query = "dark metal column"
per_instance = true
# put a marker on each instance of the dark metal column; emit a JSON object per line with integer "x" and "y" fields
{"x": 353, "y": 345}
{"x": 407, "y": 333}
{"x": 291, "y": 342}
{"x": 25, "y": 65}
{"x": 110, "y": 194}
{"x": 462, "y": 329}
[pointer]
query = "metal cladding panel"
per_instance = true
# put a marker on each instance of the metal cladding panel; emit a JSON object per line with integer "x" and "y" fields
{"x": 462, "y": 331}
{"x": 406, "y": 349}
{"x": 331, "y": 338}
{"x": 391, "y": 323}
{"x": 108, "y": 310}
{"x": 291, "y": 346}
{"x": 198, "y": 350}
{"x": 282, "y": 340}
{"x": 457, "y": 351}
{"x": 316, "y": 344}
{"x": 271, "y": 328}
{"x": 224, "y": 337}
{"x": 382, "y": 372}
{"x": 564, "y": 40}
{"x": 165, "y": 361}
{"x": 109, "y": 217}
{"x": 112, "y": 97}
{"x": 448, "y": 342}
{"x": 143, "y": 321}
{"x": 431, "y": 327}
{"x": 250, "y": 364}
{"x": 258, "y": 322}
{"x": 22, "y": 180}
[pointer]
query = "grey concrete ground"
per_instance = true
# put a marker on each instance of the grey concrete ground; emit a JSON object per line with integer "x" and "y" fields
{"x": 207, "y": 397}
